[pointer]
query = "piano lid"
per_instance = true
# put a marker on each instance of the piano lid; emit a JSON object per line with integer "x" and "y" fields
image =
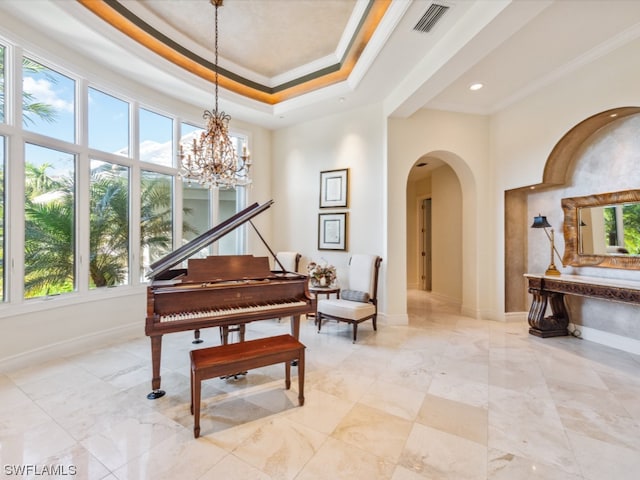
{"x": 185, "y": 251}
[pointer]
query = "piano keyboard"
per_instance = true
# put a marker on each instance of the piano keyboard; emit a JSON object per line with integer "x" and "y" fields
{"x": 174, "y": 317}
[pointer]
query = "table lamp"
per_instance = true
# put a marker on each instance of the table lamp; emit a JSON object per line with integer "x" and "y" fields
{"x": 541, "y": 222}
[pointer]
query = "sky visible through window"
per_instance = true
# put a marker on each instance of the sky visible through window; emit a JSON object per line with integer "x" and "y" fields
{"x": 108, "y": 123}
{"x": 108, "y": 116}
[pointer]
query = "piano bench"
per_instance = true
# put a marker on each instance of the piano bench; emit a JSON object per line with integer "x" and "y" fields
{"x": 229, "y": 359}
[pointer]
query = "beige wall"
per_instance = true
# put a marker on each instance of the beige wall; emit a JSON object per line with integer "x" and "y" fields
{"x": 443, "y": 188}
{"x": 354, "y": 140}
{"x": 447, "y": 235}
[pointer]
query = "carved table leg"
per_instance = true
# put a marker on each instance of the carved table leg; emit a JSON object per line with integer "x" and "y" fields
{"x": 554, "y": 325}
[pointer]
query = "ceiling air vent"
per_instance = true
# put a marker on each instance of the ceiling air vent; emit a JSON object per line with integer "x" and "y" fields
{"x": 430, "y": 18}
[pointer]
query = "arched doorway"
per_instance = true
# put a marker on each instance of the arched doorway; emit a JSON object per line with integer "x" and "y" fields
{"x": 435, "y": 229}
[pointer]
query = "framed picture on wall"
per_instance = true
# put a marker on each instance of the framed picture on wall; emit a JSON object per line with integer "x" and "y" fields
{"x": 334, "y": 188}
{"x": 332, "y": 231}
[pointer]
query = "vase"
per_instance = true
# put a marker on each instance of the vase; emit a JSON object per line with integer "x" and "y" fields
{"x": 323, "y": 281}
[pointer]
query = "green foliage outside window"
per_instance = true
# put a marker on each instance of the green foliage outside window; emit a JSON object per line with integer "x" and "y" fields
{"x": 49, "y": 232}
{"x": 49, "y": 246}
{"x": 630, "y": 225}
{"x": 631, "y": 219}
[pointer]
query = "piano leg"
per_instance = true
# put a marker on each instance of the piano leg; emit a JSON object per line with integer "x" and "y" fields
{"x": 295, "y": 327}
{"x": 225, "y": 330}
{"x": 156, "y": 350}
{"x": 295, "y": 332}
{"x": 196, "y": 337}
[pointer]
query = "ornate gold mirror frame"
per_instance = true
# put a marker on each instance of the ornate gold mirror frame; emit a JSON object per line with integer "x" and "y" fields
{"x": 572, "y": 254}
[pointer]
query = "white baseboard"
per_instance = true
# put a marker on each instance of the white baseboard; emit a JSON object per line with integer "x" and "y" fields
{"x": 393, "y": 319}
{"x": 612, "y": 340}
{"x": 70, "y": 347}
{"x": 516, "y": 317}
{"x": 441, "y": 297}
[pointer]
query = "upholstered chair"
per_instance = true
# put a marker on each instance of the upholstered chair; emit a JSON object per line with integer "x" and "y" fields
{"x": 358, "y": 302}
{"x": 290, "y": 261}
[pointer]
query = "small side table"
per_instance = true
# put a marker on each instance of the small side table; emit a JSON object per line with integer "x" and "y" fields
{"x": 328, "y": 291}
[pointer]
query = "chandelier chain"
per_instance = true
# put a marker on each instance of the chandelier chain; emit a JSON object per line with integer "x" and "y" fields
{"x": 216, "y": 53}
{"x": 212, "y": 159}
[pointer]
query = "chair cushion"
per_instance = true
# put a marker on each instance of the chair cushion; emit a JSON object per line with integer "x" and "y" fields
{"x": 354, "y": 295}
{"x": 345, "y": 308}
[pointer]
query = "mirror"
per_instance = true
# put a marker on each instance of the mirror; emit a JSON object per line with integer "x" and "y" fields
{"x": 603, "y": 230}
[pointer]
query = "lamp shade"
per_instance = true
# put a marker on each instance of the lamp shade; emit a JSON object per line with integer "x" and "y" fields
{"x": 540, "y": 222}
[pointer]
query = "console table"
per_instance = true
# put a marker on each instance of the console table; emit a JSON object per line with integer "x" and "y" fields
{"x": 552, "y": 289}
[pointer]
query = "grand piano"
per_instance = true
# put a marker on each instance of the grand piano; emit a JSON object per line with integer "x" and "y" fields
{"x": 219, "y": 291}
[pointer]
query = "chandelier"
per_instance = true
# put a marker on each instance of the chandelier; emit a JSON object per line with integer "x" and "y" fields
{"x": 212, "y": 159}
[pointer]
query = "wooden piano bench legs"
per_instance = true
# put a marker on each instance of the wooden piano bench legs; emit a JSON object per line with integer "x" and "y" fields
{"x": 237, "y": 357}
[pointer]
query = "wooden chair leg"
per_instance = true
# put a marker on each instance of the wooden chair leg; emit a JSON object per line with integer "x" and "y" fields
{"x": 287, "y": 375}
{"x": 196, "y": 406}
{"x": 301, "y": 378}
{"x": 191, "y": 408}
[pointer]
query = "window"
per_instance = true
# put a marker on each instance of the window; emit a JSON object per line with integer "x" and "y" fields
{"x": 49, "y": 211}
{"x": 108, "y": 123}
{"x": 196, "y": 212}
{"x": 48, "y": 101}
{"x": 196, "y": 199}
{"x": 2, "y": 190}
{"x": 156, "y": 217}
{"x": 230, "y": 244}
{"x": 156, "y": 138}
{"x": 87, "y": 199}
{"x": 2, "y": 60}
{"x": 109, "y": 225}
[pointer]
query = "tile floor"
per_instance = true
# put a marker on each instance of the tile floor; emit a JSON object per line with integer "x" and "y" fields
{"x": 445, "y": 397}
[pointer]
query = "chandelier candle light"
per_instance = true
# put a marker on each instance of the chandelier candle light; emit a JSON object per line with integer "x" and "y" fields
{"x": 212, "y": 159}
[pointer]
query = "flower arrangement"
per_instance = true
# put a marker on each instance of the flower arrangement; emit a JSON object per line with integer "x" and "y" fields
{"x": 320, "y": 275}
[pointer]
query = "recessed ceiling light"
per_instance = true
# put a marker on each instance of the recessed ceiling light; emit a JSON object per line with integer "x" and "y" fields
{"x": 475, "y": 86}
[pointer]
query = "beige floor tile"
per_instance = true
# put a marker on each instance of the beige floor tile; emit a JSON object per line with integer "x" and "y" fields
{"x": 445, "y": 397}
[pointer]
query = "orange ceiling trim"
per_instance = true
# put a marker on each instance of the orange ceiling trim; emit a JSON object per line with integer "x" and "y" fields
{"x": 106, "y": 12}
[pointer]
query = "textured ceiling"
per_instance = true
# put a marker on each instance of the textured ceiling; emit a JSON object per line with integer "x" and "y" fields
{"x": 259, "y": 56}
{"x": 267, "y": 38}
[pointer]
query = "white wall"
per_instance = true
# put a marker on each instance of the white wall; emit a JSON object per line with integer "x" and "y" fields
{"x": 42, "y": 329}
{"x": 354, "y": 140}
